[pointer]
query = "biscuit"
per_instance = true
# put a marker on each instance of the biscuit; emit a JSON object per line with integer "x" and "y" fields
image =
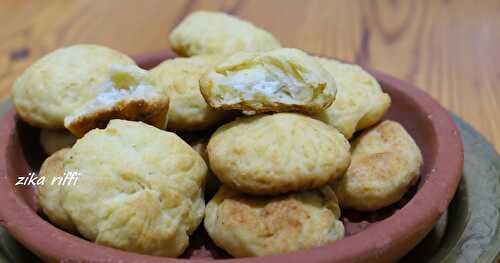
{"x": 360, "y": 102}
{"x": 179, "y": 78}
{"x": 199, "y": 143}
{"x": 385, "y": 162}
{"x": 284, "y": 79}
{"x": 53, "y": 140}
{"x": 139, "y": 188}
{"x": 278, "y": 153}
{"x": 128, "y": 94}
{"x": 203, "y": 33}
{"x": 63, "y": 80}
{"x": 48, "y": 193}
{"x": 247, "y": 226}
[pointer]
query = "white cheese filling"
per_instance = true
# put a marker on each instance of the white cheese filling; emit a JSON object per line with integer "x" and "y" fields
{"x": 256, "y": 82}
{"x": 124, "y": 84}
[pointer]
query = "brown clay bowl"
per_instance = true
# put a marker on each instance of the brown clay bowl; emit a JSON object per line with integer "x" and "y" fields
{"x": 384, "y": 236}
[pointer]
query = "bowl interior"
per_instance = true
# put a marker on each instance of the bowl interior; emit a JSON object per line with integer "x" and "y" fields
{"x": 26, "y": 155}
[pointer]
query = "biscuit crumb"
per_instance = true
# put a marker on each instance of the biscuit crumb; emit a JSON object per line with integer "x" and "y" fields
{"x": 127, "y": 94}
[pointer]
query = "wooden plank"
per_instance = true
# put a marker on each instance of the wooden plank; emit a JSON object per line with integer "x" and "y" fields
{"x": 448, "y": 48}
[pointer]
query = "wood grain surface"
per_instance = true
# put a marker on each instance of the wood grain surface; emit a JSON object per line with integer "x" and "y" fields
{"x": 451, "y": 48}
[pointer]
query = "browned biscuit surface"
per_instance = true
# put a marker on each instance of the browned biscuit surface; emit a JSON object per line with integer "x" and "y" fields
{"x": 385, "y": 162}
{"x": 247, "y": 225}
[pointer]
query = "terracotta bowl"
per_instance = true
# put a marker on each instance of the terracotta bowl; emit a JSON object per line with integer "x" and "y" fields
{"x": 384, "y": 236}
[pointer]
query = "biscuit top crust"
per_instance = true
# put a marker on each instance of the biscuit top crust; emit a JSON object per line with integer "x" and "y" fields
{"x": 360, "y": 101}
{"x": 385, "y": 162}
{"x": 61, "y": 81}
{"x": 203, "y": 33}
{"x": 247, "y": 225}
{"x": 278, "y": 153}
{"x": 388, "y": 136}
{"x": 139, "y": 188}
{"x": 280, "y": 80}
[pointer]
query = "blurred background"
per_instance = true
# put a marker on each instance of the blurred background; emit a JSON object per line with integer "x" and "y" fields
{"x": 449, "y": 48}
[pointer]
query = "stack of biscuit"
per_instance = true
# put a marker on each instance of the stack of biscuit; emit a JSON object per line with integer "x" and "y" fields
{"x": 270, "y": 135}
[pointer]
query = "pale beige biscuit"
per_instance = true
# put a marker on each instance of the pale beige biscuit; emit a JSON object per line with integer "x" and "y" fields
{"x": 284, "y": 79}
{"x": 127, "y": 93}
{"x": 140, "y": 188}
{"x": 179, "y": 78}
{"x": 53, "y": 140}
{"x": 360, "y": 102}
{"x": 63, "y": 80}
{"x": 203, "y": 32}
{"x": 272, "y": 154}
{"x": 199, "y": 143}
{"x": 246, "y": 226}
{"x": 48, "y": 193}
{"x": 385, "y": 162}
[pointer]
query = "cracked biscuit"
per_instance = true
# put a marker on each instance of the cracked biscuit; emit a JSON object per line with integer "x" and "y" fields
{"x": 284, "y": 79}
{"x": 61, "y": 81}
{"x": 128, "y": 93}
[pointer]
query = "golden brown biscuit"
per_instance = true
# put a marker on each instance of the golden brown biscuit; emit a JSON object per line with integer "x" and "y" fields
{"x": 53, "y": 140}
{"x": 63, "y": 80}
{"x": 385, "y": 163}
{"x": 247, "y": 226}
{"x": 48, "y": 193}
{"x": 273, "y": 154}
{"x": 360, "y": 101}
{"x": 128, "y": 94}
{"x": 284, "y": 79}
{"x": 140, "y": 188}
{"x": 203, "y": 33}
{"x": 179, "y": 78}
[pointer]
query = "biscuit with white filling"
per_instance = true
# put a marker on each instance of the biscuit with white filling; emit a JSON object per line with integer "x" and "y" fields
{"x": 127, "y": 94}
{"x": 62, "y": 81}
{"x": 276, "y": 81}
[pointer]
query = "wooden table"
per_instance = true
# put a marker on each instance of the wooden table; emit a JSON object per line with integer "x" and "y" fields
{"x": 451, "y": 49}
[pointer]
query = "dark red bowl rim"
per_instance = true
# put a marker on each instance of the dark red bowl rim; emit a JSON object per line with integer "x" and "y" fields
{"x": 382, "y": 242}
